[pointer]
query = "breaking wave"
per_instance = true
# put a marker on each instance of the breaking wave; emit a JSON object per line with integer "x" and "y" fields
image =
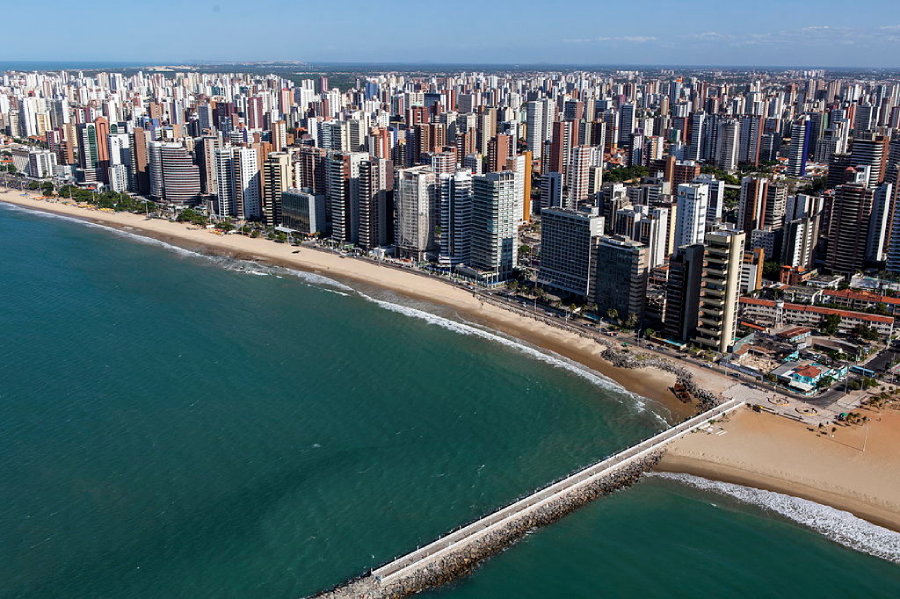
{"x": 233, "y": 264}
{"x": 837, "y": 525}
{"x": 548, "y": 358}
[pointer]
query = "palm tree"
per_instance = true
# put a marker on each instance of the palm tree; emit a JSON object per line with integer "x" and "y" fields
{"x": 612, "y": 314}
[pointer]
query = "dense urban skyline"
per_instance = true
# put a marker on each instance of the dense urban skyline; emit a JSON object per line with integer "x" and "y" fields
{"x": 575, "y": 32}
{"x": 731, "y": 235}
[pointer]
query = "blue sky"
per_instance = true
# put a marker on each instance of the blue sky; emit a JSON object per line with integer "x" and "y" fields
{"x": 757, "y": 32}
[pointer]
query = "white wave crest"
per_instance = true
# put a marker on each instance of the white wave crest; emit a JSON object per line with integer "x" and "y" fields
{"x": 312, "y": 278}
{"x": 548, "y": 358}
{"x": 841, "y": 527}
{"x": 232, "y": 264}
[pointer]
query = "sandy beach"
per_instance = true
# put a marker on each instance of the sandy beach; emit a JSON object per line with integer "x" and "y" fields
{"x": 855, "y": 470}
{"x": 650, "y": 382}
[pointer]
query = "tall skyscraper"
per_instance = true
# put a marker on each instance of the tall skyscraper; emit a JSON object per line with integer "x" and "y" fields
{"x": 799, "y": 149}
{"x": 620, "y": 281}
{"x": 582, "y": 159}
{"x": 568, "y": 252}
{"x": 174, "y": 177}
{"x": 683, "y": 292}
{"x": 723, "y": 260}
{"x": 693, "y": 204}
{"x": 494, "y": 225}
{"x": 538, "y": 118}
{"x": 276, "y": 180}
{"x": 415, "y": 193}
{"x": 342, "y": 195}
{"x": 871, "y": 151}
{"x": 224, "y": 172}
{"x": 727, "y": 141}
{"x": 454, "y": 236}
{"x": 848, "y": 224}
{"x": 246, "y": 178}
{"x": 376, "y": 193}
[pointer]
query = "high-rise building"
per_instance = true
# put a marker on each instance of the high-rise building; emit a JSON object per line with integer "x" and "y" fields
{"x": 303, "y": 211}
{"x": 88, "y": 149}
{"x": 871, "y": 151}
{"x": 752, "y": 204}
{"x": 494, "y": 225}
{"x": 582, "y": 159}
{"x": 415, "y": 194}
{"x": 693, "y": 205}
{"x": 454, "y": 235}
{"x": 727, "y": 142}
{"x": 521, "y": 165}
{"x": 246, "y": 181}
{"x": 551, "y": 190}
{"x": 799, "y": 149}
{"x": 801, "y": 231}
{"x": 626, "y": 124}
{"x": 140, "y": 165}
{"x": 716, "y": 200}
{"x": 174, "y": 177}
{"x": 568, "y": 240}
{"x": 879, "y": 223}
{"x": 223, "y": 163}
{"x": 276, "y": 180}
{"x": 342, "y": 195}
{"x": 848, "y": 224}
{"x": 376, "y": 193}
{"x": 538, "y": 118}
{"x": 620, "y": 279}
{"x": 723, "y": 260}
{"x": 683, "y": 292}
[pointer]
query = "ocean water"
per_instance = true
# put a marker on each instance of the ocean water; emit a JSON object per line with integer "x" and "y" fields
{"x": 174, "y": 425}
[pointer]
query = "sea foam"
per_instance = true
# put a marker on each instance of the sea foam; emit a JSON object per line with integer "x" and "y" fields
{"x": 546, "y": 357}
{"x": 837, "y": 525}
{"x": 233, "y": 264}
{"x": 317, "y": 280}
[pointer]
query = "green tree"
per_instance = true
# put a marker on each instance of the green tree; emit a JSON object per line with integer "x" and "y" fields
{"x": 771, "y": 270}
{"x": 830, "y": 324}
{"x": 612, "y": 314}
{"x": 864, "y": 332}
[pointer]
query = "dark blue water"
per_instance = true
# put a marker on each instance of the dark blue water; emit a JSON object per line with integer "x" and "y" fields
{"x": 176, "y": 426}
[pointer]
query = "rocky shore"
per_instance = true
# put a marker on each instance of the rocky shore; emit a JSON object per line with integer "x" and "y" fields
{"x": 463, "y": 561}
{"x": 623, "y": 359}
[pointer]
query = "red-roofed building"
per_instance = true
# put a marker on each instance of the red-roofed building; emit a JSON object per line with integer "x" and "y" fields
{"x": 861, "y": 300}
{"x": 783, "y": 313}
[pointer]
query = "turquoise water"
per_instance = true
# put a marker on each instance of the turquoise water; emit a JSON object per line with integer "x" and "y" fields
{"x": 178, "y": 426}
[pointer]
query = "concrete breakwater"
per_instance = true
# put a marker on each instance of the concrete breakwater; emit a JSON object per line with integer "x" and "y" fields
{"x": 460, "y": 551}
{"x": 462, "y": 561}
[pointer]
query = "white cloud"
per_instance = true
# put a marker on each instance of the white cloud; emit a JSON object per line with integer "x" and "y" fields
{"x": 637, "y": 39}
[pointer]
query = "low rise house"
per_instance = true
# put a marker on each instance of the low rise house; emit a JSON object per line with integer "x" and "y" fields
{"x": 782, "y": 313}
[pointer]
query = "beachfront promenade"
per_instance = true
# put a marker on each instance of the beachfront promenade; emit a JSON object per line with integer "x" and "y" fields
{"x": 459, "y": 551}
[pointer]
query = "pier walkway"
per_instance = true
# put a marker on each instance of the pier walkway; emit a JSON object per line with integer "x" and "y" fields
{"x": 397, "y": 578}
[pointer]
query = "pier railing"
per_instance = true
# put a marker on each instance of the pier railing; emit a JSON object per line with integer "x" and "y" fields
{"x": 419, "y": 558}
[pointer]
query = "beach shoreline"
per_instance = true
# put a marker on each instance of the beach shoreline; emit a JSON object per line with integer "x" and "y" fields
{"x": 854, "y": 470}
{"x": 774, "y": 457}
{"x": 651, "y": 383}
